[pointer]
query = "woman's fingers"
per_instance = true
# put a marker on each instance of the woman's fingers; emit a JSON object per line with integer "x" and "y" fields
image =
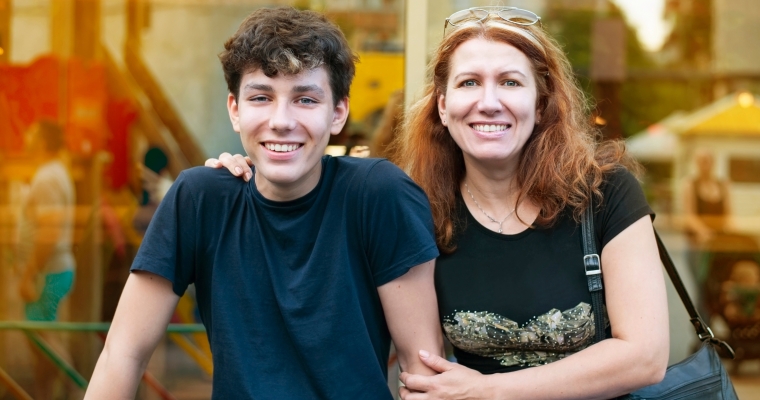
{"x": 237, "y": 164}
{"x": 415, "y": 383}
{"x": 213, "y": 163}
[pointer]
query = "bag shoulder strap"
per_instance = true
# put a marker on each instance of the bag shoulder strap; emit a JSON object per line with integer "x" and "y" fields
{"x": 702, "y": 329}
{"x": 591, "y": 261}
{"x": 593, "y": 266}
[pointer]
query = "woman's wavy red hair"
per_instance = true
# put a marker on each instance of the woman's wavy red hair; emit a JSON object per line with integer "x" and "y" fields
{"x": 561, "y": 165}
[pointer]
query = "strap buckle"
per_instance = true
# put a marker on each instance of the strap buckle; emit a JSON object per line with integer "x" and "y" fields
{"x": 592, "y": 264}
{"x": 703, "y": 331}
{"x": 706, "y": 335}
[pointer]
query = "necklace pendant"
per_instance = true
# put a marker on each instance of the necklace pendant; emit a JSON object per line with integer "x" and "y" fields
{"x": 499, "y": 230}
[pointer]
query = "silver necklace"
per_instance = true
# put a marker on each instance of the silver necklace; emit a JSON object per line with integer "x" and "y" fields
{"x": 492, "y": 219}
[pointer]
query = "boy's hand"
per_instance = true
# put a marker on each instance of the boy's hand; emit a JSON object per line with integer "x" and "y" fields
{"x": 237, "y": 164}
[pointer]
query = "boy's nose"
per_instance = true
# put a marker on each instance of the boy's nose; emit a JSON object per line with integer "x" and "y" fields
{"x": 282, "y": 119}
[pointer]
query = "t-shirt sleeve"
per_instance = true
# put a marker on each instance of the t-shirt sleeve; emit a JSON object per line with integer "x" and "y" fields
{"x": 46, "y": 191}
{"x": 624, "y": 203}
{"x": 397, "y": 223}
{"x": 168, "y": 247}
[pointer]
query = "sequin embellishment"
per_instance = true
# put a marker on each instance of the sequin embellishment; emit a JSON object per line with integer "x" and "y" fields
{"x": 547, "y": 338}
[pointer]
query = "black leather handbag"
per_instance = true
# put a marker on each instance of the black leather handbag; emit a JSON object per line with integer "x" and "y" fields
{"x": 699, "y": 376}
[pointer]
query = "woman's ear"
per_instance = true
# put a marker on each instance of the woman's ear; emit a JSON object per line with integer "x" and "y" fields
{"x": 442, "y": 109}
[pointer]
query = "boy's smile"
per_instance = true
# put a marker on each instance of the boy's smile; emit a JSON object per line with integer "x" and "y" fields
{"x": 285, "y": 123}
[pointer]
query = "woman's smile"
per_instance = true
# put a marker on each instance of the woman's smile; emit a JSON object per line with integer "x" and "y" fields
{"x": 490, "y": 101}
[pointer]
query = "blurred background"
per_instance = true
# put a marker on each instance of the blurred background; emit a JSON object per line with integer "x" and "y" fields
{"x": 104, "y": 102}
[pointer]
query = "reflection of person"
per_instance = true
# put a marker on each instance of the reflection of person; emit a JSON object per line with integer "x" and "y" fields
{"x": 48, "y": 273}
{"x": 741, "y": 293}
{"x": 156, "y": 182}
{"x": 706, "y": 202}
{"x": 303, "y": 274}
{"x": 501, "y": 145}
{"x": 389, "y": 124}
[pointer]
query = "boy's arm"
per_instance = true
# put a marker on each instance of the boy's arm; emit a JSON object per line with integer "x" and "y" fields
{"x": 145, "y": 308}
{"x": 411, "y": 311}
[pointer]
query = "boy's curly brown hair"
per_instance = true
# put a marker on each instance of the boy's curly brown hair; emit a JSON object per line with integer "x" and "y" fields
{"x": 288, "y": 41}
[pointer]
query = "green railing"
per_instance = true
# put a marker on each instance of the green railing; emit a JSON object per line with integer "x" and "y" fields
{"x": 30, "y": 329}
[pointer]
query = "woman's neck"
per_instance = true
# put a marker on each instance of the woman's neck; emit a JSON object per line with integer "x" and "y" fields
{"x": 491, "y": 194}
{"x": 493, "y": 182}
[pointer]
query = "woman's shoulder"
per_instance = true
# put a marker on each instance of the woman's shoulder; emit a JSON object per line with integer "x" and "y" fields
{"x": 619, "y": 178}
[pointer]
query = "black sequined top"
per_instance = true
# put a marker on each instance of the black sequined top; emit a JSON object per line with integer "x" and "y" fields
{"x": 508, "y": 302}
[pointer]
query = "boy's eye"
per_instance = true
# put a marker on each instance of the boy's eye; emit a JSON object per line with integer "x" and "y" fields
{"x": 306, "y": 100}
{"x": 258, "y": 98}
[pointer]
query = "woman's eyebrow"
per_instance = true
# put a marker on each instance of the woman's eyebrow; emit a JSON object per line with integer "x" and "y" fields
{"x": 511, "y": 72}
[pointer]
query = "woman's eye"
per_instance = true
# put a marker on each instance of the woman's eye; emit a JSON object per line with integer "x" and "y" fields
{"x": 469, "y": 83}
{"x": 511, "y": 83}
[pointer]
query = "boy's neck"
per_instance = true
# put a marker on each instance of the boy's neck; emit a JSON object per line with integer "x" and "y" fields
{"x": 290, "y": 191}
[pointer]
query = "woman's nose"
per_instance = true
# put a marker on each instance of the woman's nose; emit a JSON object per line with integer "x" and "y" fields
{"x": 489, "y": 103}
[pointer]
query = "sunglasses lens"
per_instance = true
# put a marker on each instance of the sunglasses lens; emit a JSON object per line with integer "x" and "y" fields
{"x": 518, "y": 16}
{"x": 463, "y": 16}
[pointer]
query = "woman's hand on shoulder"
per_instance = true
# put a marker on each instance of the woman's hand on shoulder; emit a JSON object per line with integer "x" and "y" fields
{"x": 237, "y": 164}
{"x": 453, "y": 381}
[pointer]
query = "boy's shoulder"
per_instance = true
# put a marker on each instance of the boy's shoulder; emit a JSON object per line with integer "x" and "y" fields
{"x": 209, "y": 178}
{"x": 199, "y": 182}
{"x": 373, "y": 170}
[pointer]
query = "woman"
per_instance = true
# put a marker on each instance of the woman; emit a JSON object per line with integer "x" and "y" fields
{"x": 706, "y": 202}
{"x": 501, "y": 145}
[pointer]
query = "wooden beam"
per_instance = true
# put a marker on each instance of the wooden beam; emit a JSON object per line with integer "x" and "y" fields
{"x": 415, "y": 52}
{"x": 136, "y": 18}
{"x": 61, "y": 27}
{"x": 163, "y": 107}
{"x": 86, "y": 29}
{"x": 16, "y": 390}
{"x": 5, "y": 30}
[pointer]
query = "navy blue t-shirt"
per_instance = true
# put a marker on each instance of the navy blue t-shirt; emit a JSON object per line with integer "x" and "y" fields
{"x": 287, "y": 291}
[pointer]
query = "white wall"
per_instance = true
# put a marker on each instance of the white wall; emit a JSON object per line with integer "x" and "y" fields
{"x": 30, "y": 30}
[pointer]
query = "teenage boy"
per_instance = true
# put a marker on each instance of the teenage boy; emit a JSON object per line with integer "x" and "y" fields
{"x": 304, "y": 273}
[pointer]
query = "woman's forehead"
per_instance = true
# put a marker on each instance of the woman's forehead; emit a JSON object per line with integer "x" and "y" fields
{"x": 484, "y": 53}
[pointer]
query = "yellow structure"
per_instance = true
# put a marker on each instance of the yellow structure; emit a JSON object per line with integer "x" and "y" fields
{"x": 735, "y": 115}
{"x": 378, "y": 74}
{"x": 729, "y": 128}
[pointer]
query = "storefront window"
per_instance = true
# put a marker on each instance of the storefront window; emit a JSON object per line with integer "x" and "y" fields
{"x": 104, "y": 102}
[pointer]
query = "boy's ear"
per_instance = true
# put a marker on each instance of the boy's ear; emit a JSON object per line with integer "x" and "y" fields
{"x": 340, "y": 116}
{"x": 232, "y": 109}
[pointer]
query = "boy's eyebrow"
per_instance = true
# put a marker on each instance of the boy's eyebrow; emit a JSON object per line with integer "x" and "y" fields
{"x": 258, "y": 86}
{"x": 309, "y": 88}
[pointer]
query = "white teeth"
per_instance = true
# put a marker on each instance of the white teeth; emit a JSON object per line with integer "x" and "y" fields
{"x": 489, "y": 128}
{"x": 282, "y": 148}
